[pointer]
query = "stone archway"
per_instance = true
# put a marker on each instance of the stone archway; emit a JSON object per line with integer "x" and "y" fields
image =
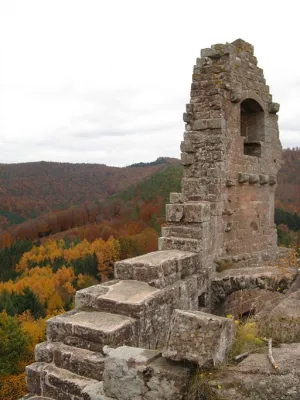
{"x": 240, "y": 291}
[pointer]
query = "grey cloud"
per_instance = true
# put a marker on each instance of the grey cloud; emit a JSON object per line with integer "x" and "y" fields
{"x": 123, "y": 131}
{"x": 291, "y": 124}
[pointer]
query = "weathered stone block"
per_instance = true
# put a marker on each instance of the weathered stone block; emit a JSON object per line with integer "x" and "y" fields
{"x": 196, "y": 211}
{"x": 79, "y": 361}
{"x": 176, "y": 198}
{"x": 264, "y": 179}
{"x": 242, "y": 177}
{"x": 272, "y": 180}
{"x": 158, "y": 268}
{"x": 61, "y": 384}
{"x": 95, "y": 392}
{"x": 201, "y": 338}
{"x": 187, "y": 146}
{"x": 253, "y": 178}
{"x": 174, "y": 212}
{"x": 230, "y": 183}
{"x": 33, "y": 377}
{"x": 91, "y": 330}
{"x": 202, "y": 124}
{"x": 178, "y": 243}
{"x": 274, "y": 108}
{"x": 139, "y": 374}
{"x": 187, "y": 158}
{"x": 43, "y": 352}
{"x": 212, "y": 53}
{"x": 187, "y": 117}
{"x": 241, "y": 45}
{"x": 236, "y": 95}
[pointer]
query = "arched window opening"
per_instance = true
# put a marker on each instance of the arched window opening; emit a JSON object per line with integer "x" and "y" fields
{"x": 252, "y": 127}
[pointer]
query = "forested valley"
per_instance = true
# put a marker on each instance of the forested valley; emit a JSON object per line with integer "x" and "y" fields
{"x": 62, "y": 227}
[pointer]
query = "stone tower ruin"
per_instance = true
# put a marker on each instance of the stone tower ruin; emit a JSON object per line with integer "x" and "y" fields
{"x": 220, "y": 231}
{"x": 231, "y": 155}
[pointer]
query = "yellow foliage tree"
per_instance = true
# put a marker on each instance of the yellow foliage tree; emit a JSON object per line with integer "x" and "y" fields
{"x": 55, "y": 304}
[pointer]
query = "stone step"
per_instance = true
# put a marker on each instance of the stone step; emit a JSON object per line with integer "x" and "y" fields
{"x": 47, "y": 380}
{"x": 151, "y": 308}
{"x": 79, "y": 361}
{"x": 159, "y": 268}
{"x": 126, "y": 297}
{"x": 92, "y": 330}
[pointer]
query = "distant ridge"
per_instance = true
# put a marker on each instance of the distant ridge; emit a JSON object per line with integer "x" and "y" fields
{"x": 158, "y": 161}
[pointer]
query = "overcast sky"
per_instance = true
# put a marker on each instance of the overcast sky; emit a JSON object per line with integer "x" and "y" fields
{"x": 107, "y": 81}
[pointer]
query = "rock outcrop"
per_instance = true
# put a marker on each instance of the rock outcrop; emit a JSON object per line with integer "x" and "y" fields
{"x": 255, "y": 378}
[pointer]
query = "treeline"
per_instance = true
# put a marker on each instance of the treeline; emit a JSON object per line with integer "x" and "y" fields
{"x": 291, "y": 220}
{"x": 158, "y": 161}
{"x": 142, "y": 204}
{"x": 43, "y": 280}
{"x": 288, "y": 189}
{"x": 39, "y": 280}
{"x": 31, "y": 189}
{"x": 288, "y": 228}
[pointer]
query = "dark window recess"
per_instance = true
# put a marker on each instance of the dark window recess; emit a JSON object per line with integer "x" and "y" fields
{"x": 252, "y": 149}
{"x": 252, "y": 127}
{"x": 202, "y": 300}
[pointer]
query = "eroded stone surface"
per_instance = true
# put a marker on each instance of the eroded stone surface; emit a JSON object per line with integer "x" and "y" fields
{"x": 138, "y": 374}
{"x": 282, "y": 322}
{"x": 255, "y": 379}
{"x": 96, "y": 392}
{"x": 202, "y": 338}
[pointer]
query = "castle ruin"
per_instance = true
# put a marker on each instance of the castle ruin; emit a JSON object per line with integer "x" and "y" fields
{"x": 131, "y": 338}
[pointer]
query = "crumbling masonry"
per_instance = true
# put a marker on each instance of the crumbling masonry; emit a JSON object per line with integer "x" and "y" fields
{"x": 220, "y": 232}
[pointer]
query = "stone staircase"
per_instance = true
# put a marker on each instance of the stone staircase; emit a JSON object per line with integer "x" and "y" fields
{"x": 133, "y": 310}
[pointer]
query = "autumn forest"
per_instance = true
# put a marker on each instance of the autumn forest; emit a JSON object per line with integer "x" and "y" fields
{"x": 62, "y": 227}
